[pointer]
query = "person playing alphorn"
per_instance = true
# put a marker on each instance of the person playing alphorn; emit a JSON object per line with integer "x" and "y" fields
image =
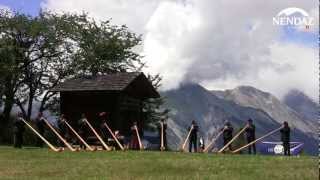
{"x": 59, "y": 136}
{"x": 285, "y": 138}
{"x": 55, "y": 149}
{"x": 103, "y": 115}
{"x": 78, "y": 136}
{"x": 251, "y": 136}
{"x": 18, "y": 129}
{"x": 227, "y": 134}
{"x": 104, "y": 145}
{"x": 135, "y": 143}
{"x": 193, "y": 136}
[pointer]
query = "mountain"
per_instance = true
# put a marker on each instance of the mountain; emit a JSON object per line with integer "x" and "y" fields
{"x": 303, "y": 105}
{"x": 212, "y": 109}
{"x": 251, "y": 97}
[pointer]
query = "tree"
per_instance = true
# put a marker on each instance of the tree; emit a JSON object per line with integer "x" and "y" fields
{"x": 34, "y": 52}
{"x": 153, "y": 108}
{"x": 37, "y": 53}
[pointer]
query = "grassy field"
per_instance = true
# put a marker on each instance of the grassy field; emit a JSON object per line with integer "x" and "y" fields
{"x": 31, "y": 163}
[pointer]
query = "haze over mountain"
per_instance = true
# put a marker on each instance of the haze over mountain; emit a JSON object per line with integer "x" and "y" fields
{"x": 212, "y": 108}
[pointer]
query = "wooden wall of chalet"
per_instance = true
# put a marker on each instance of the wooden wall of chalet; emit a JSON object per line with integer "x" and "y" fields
{"x": 122, "y": 108}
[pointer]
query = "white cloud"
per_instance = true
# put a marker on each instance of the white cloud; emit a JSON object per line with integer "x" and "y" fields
{"x": 220, "y": 44}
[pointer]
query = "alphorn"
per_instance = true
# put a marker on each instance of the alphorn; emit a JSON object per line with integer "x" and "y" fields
{"x": 213, "y": 141}
{"x": 185, "y": 142}
{"x": 42, "y": 138}
{"x": 234, "y": 138}
{"x": 270, "y": 133}
{"x": 78, "y": 136}
{"x": 114, "y": 137}
{"x": 97, "y": 135}
{"x": 59, "y": 136}
{"x": 162, "y": 148}
{"x": 139, "y": 140}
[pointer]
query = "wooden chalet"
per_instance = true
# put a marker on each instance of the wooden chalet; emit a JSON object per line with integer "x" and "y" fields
{"x": 120, "y": 95}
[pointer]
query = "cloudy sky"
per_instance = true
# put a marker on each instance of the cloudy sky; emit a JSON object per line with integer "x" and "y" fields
{"x": 220, "y": 44}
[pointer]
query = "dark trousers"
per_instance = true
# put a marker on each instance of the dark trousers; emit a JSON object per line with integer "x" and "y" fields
{"x": 18, "y": 140}
{"x": 286, "y": 148}
{"x": 225, "y": 142}
{"x": 193, "y": 141}
{"x": 251, "y": 147}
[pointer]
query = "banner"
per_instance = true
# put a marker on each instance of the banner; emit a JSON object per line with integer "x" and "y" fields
{"x": 276, "y": 148}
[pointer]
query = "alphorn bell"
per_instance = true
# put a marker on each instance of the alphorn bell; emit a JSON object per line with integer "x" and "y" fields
{"x": 97, "y": 135}
{"x": 59, "y": 136}
{"x": 78, "y": 136}
{"x": 213, "y": 141}
{"x": 42, "y": 138}
{"x": 185, "y": 142}
{"x": 162, "y": 148}
{"x": 139, "y": 140}
{"x": 234, "y": 138}
{"x": 114, "y": 137}
{"x": 270, "y": 133}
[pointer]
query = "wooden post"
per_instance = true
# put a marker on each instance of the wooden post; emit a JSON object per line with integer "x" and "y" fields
{"x": 59, "y": 136}
{"x": 42, "y": 138}
{"x": 270, "y": 133}
{"x": 114, "y": 137}
{"x": 162, "y": 148}
{"x": 185, "y": 142}
{"x": 97, "y": 135}
{"x": 235, "y": 137}
{"x": 213, "y": 141}
{"x": 78, "y": 136}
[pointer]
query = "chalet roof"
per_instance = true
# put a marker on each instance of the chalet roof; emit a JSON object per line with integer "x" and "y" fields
{"x": 111, "y": 82}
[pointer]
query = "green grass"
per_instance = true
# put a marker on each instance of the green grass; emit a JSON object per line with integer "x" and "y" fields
{"x": 33, "y": 163}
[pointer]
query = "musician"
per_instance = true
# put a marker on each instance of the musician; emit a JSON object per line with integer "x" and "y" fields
{"x": 83, "y": 130}
{"x": 250, "y": 135}
{"x": 285, "y": 138}
{"x": 227, "y": 134}
{"x": 41, "y": 128}
{"x": 134, "y": 143}
{"x": 193, "y": 136}
{"x": 162, "y": 121}
{"x": 18, "y": 129}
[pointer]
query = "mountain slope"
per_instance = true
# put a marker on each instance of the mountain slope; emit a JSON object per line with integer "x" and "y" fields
{"x": 193, "y": 102}
{"x": 302, "y": 104}
{"x": 252, "y": 97}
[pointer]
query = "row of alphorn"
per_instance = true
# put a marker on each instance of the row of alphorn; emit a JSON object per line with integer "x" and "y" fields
{"x": 69, "y": 146}
{"x": 162, "y": 147}
{"x": 206, "y": 150}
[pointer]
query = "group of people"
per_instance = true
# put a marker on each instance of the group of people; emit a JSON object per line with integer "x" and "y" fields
{"x": 83, "y": 130}
{"x": 136, "y": 133}
{"x": 227, "y": 134}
